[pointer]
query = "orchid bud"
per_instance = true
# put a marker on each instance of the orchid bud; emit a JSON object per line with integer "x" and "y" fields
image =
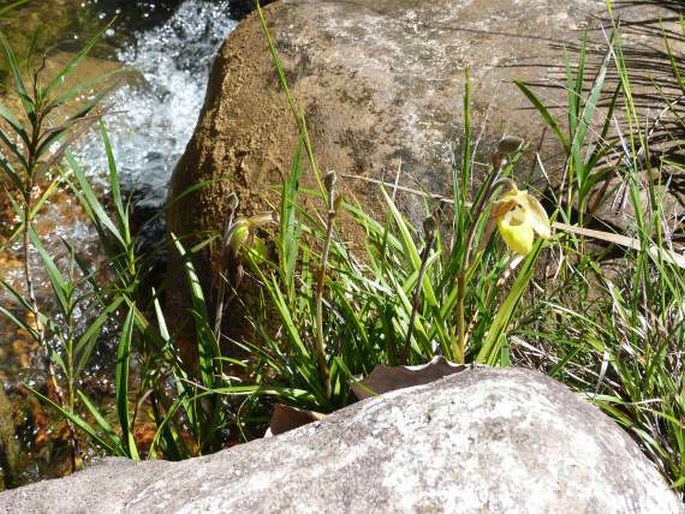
{"x": 329, "y": 181}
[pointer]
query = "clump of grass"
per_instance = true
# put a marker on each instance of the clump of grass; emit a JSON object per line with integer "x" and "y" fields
{"x": 330, "y": 313}
{"x": 401, "y": 301}
{"x": 616, "y": 328}
{"x": 150, "y": 380}
{"x": 342, "y": 314}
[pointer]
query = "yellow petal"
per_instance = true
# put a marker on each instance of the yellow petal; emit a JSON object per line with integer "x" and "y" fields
{"x": 518, "y": 237}
{"x": 537, "y": 216}
{"x": 519, "y": 217}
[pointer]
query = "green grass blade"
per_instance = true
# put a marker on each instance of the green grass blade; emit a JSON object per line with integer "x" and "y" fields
{"x": 161, "y": 320}
{"x": 490, "y": 351}
{"x": 5, "y": 9}
{"x": 78, "y": 422}
{"x": 121, "y": 211}
{"x": 545, "y": 113}
{"x": 467, "y": 150}
{"x": 290, "y": 229}
{"x": 163, "y": 431}
{"x": 115, "y": 441}
{"x": 205, "y": 338}
{"x": 297, "y": 114}
{"x": 67, "y": 69}
{"x": 412, "y": 252}
{"x": 19, "y": 323}
{"x": 93, "y": 206}
{"x": 579, "y": 142}
{"x": 85, "y": 344}
{"x": 123, "y": 368}
{"x": 38, "y": 204}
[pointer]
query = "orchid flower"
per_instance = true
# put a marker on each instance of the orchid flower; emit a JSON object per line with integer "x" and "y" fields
{"x": 520, "y": 216}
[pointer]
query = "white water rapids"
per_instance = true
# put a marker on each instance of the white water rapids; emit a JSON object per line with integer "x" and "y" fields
{"x": 156, "y": 115}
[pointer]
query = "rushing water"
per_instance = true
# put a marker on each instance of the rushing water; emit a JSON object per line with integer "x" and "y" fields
{"x": 169, "y": 48}
{"x": 170, "y": 52}
{"x": 156, "y": 114}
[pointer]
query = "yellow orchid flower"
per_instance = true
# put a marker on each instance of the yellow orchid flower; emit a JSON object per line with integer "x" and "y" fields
{"x": 520, "y": 217}
{"x": 241, "y": 230}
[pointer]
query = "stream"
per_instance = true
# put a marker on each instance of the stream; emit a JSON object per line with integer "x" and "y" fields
{"x": 153, "y": 115}
{"x": 156, "y": 115}
{"x": 169, "y": 48}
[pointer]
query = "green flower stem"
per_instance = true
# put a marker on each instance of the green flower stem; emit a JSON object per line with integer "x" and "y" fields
{"x": 430, "y": 229}
{"x": 333, "y": 204}
{"x": 220, "y": 299}
{"x": 494, "y": 182}
{"x": 459, "y": 344}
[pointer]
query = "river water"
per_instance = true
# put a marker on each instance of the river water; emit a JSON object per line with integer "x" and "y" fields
{"x": 169, "y": 50}
{"x": 156, "y": 114}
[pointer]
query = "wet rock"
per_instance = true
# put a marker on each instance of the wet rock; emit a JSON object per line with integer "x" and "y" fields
{"x": 9, "y": 447}
{"x": 482, "y": 440}
{"x": 381, "y": 84}
{"x": 241, "y": 8}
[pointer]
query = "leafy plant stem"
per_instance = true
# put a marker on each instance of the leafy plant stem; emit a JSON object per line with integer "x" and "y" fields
{"x": 429, "y": 227}
{"x": 333, "y": 203}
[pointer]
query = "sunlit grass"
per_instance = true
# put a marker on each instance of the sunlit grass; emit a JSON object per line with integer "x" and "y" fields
{"x": 328, "y": 312}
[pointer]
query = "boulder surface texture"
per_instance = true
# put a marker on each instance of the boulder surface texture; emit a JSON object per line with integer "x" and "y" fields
{"x": 482, "y": 440}
{"x": 381, "y": 84}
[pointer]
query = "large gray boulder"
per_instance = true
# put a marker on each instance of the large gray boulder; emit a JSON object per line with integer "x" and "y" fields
{"x": 482, "y": 440}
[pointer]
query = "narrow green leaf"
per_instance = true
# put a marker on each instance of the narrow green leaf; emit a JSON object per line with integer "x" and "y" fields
{"x": 85, "y": 344}
{"x": 490, "y": 350}
{"x": 290, "y": 229}
{"x": 205, "y": 339}
{"x": 161, "y": 321}
{"x": 123, "y": 367}
{"x": 45, "y": 194}
{"x": 87, "y": 89}
{"x": 67, "y": 69}
{"x": 121, "y": 211}
{"x": 405, "y": 233}
{"x": 544, "y": 112}
{"x": 165, "y": 422}
{"x": 19, "y": 322}
{"x": 467, "y": 151}
{"x": 93, "y": 206}
{"x": 579, "y": 142}
{"x": 58, "y": 283}
{"x": 78, "y": 422}
{"x": 111, "y": 434}
{"x": 5, "y": 9}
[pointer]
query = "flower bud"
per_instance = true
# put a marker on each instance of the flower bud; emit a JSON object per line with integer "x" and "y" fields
{"x": 233, "y": 201}
{"x": 499, "y": 160}
{"x": 509, "y": 144}
{"x": 329, "y": 181}
{"x": 430, "y": 225}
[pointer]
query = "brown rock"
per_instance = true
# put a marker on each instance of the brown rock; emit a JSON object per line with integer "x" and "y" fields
{"x": 381, "y": 84}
